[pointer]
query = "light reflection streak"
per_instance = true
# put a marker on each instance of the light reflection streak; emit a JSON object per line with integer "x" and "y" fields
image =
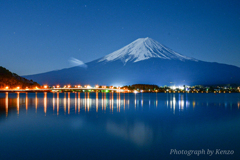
{"x": 135, "y": 102}
{"x": 167, "y": 100}
{"x": 78, "y": 102}
{"x": 88, "y": 102}
{"x": 174, "y": 103}
{"x": 75, "y": 102}
{"x": 57, "y": 103}
{"x": 156, "y": 103}
{"x": 36, "y": 102}
{"x": 18, "y": 103}
{"x": 128, "y": 100}
{"x": 112, "y": 102}
{"x": 124, "y": 102}
{"x": 85, "y": 102}
{"x": 6, "y": 103}
{"x": 110, "y": 99}
{"x": 182, "y": 102}
{"x": 68, "y": 102}
{"x": 96, "y": 101}
{"x": 53, "y": 102}
{"x": 117, "y": 103}
{"x": 45, "y": 103}
{"x": 26, "y": 101}
{"x": 170, "y": 102}
{"x": 194, "y": 104}
{"x": 105, "y": 101}
{"x": 102, "y": 101}
{"x": 65, "y": 102}
{"x": 187, "y": 102}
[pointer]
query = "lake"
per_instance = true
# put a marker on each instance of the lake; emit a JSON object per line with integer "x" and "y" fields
{"x": 119, "y": 126}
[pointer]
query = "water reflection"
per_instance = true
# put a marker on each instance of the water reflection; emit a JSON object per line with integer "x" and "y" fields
{"x": 18, "y": 103}
{"x": 138, "y": 130}
{"x": 97, "y": 102}
{"x": 57, "y": 103}
{"x": 79, "y": 103}
{"x": 64, "y": 102}
{"x": 45, "y": 102}
{"x": 53, "y": 100}
{"x": 68, "y": 102}
{"x": 112, "y": 102}
{"x": 36, "y": 102}
{"x": 6, "y": 103}
{"x": 75, "y": 102}
{"x": 26, "y": 101}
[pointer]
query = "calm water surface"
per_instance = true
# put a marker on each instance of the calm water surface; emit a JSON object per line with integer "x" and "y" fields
{"x": 118, "y": 126}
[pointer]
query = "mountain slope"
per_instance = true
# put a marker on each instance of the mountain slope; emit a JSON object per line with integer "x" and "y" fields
{"x": 12, "y": 80}
{"x": 144, "y": 61}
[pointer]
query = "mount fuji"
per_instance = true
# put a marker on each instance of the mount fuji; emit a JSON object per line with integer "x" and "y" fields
{"x": 144, "y": 61}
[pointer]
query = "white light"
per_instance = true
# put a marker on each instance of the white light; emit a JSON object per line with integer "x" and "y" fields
{"x": 135, "y": 91}
{"x": 89, "y": 86}
{"x": 173, "y": 87}
{"x": 181, "y": 87}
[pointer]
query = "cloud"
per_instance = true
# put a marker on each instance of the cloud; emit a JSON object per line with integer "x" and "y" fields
{"x": 77, "y": 62}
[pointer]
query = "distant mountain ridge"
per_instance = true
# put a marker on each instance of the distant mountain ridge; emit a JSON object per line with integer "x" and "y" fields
{"x": 144, "y": 61}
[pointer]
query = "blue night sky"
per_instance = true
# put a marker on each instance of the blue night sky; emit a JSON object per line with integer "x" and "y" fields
{"x": 42, "y": 35}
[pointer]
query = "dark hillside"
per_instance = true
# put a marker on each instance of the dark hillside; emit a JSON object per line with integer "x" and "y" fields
{"x": 12, "y": 80}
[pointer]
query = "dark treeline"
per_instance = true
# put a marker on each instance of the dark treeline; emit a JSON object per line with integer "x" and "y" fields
{"x": 12, "y": 80}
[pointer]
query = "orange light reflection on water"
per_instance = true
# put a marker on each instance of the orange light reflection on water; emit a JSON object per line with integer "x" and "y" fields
{"x": 26, "y": 101}
{"x": 64, "y": 103}
{"x": 36, "y": 102}
{"x": 96, "y": 101}
{"x": 79, "y": 102}
{"x": 53, "y": 102}
{"x": 75, "y": 102}
{"x": 68, "y": 102}
{"x": 45, "y": 103}
{"x": 57, "y": 103}
{"x": 6, "y": 103}
{"x": 18, "y": 103}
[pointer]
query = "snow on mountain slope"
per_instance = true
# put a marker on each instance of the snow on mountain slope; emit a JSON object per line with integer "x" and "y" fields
{"x": 142, "y": 49}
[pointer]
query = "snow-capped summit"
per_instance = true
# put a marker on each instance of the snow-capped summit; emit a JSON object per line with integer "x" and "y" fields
{"x": 142, "y": 49}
